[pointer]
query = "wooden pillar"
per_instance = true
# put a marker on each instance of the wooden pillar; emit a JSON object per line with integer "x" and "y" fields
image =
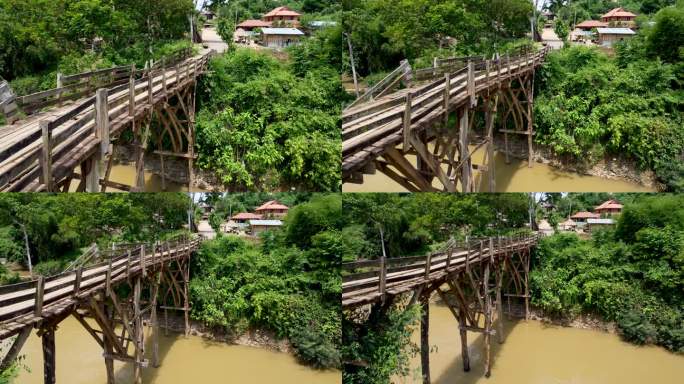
{"x": 186, "y": 302}
{"x": 155, "y": 321}
{"x": 499, "y": 304}
{"x": 489, "y": 118}
{"x": 407, "y": 122}
{"x": 424, "y": 338}
{"x": 526, "y": 264}
{"x": 465, "y": 161}
{"x": 139, "y": 156}
{"x": 49, "y": 367}
{"x": 102, "y": 133}
{"x": 464, "y": 340}
{"x": 191, "y": 138}
{"x": 530, "y": 120}
{"x": 138, "y": 329}
{"x": 488, "y": 320}
{"x": 46, "y": 156}
{"x": 109, "y": 361}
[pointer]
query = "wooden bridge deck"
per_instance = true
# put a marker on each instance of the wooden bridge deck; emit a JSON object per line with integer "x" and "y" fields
{"x": 400, "y": 275}
{"x": 369, "y": 129}
{"x": 64, "y": 136}
{"x": 27, "y": 304}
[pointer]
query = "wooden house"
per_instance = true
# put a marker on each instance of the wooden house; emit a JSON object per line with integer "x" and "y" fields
{"x": 272, "y": 208}
{"x": 609, "y": 208}
{"x": 282, "y": 16}
{"x": 607, "y": 37}
{"x": 280, "y": 37}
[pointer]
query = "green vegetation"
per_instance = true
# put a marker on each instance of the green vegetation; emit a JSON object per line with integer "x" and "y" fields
{"x": 384, "y": 32}
{"x": 41, "y": 37}
{"x": 56, "y": 231}
{"x": 289, "y": 283}
{"x": 591, "y": 105}
{"x": 254, "y": 9}
{"x": 633, "y": 275}
{"x": 581, "y": 10}
{"x": 268, "y": 125}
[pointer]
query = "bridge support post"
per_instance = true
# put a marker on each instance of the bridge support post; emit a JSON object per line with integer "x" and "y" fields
{"x": 464, "y": 151}
{"x": 49, "y": 367}
{"x": 424, "y": 337}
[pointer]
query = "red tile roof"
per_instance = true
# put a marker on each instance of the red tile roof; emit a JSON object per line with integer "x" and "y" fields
{"x": 591, "y": 24}
{"x": 585, "y": 215}
{"x": 618, "y": 12}
{"x": 254, "y": 24}
{"x": 282, "y": 11}
{"x": 610, "y": 204}
{"x": 246, "y": 216}
{"x": 273, "y": 204}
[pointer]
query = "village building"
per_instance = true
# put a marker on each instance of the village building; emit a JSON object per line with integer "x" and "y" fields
{"x": 258, "y": 226}
{"x": 619, "y": 17}
{"x": 607, "y": 37}
{"x": 244, "y": 217}
{"x": 594, "y": 224}
{"x": 609, "y": 208}
{"x": 251, "y": 25}
{"x": 545, "y": 228}
{"x": 588, "y": 25}
{"x": 280, "y": 37}
{"x": 282, "y": 16}
{"x": 567, "y": 226}
{"x": 272, "y": 208}
{"x": 580, "y": 218}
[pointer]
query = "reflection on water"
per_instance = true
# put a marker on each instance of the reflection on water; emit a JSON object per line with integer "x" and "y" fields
{"x": 513, "y": 177}
{"x": 536, "y": 353}
{"x": 183, "y": 360}
{"x": 125, "y": 174}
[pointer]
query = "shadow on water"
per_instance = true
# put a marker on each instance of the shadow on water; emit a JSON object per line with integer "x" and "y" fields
{"x": 454, "y": 372}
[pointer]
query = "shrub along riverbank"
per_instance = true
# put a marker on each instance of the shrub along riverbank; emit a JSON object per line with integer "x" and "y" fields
{"x": 632, "y": 275}
{"x": 288, "y": 283}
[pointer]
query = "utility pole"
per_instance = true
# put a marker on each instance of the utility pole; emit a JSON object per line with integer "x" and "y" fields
{"x": 351, "y": 58}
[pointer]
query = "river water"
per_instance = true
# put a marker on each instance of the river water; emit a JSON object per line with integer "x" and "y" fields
{"x": 190, "y": 360}
{"x": 514, "y": 177}
{"x": 537, "y": 353}
{"x": 125, "y": 174}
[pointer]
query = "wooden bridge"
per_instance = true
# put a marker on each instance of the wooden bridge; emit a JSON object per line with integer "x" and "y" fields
{"x": 76, "y": 125}
{"x": 385, "y": 125}
{"x": 112, "y": 298}
{"x": 471, "y": 277}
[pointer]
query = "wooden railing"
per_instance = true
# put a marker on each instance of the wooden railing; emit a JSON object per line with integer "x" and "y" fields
{"x": 90, "y": 120}
{"x": 77, "y": 86}
{"x": 433, "y": 99}
{"x": 34, "y": 296}
{"x": 373, "y": 276}
{"x": 401, "y": 73}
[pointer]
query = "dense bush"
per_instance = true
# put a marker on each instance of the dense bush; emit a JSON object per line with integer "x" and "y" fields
{"x": 262, "y": 127}
{"x": 291, "y": 287}
{"x": 633, "y": 275}
{"x": 590, "y": 106}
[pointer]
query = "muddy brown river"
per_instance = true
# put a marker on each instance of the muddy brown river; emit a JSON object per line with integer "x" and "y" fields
{"x": 536, "y": 353}
{"x": 514, "y": 177}
{"x": 190, "y": 360}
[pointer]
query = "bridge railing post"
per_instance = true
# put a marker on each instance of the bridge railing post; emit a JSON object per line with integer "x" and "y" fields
{"x": 142, "y": 260}
{"x": 150, "y": 89}
{"x": 467, "y": 248}
{"x": 46, "y": 155}
{"x": 471, "y": 84}
{"x": 77, "y": 280}
{"x": 40, "y": 291}
{"x": 407, "y": 121}
{"x": 428, "y": 265}
{"x": 383, "y": 275}
{"x": 163, "y": 69}
{"x": 131, "y": 92}
{"x": 447, "y": 95}
{"x": 491, "y": 250}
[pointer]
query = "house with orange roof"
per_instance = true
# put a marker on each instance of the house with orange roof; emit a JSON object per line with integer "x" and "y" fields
{"x": 282, "y": 16}
{"x": 609, "y": 208}
{"x": 619, "y": 17}
{"x": 250, "y": 25}
{"x": 580, "y": 218}
{"x": 272, "y": 208}
{"x": 244, "y": 217}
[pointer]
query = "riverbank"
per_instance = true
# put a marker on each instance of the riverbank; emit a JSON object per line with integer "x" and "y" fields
{"x": 252, "y": 337}
{"x": 610, "y": 167}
